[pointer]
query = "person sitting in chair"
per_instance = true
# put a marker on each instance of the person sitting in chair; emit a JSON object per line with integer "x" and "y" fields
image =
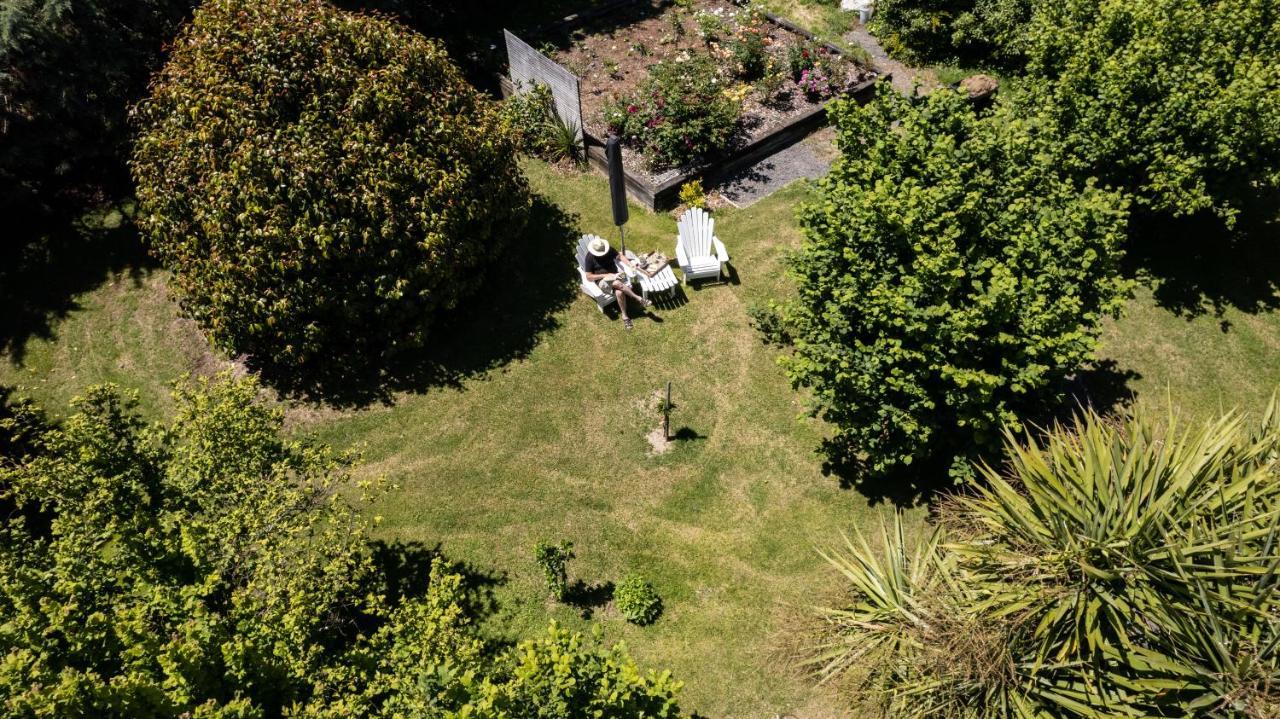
{"x": 602, "y": 267}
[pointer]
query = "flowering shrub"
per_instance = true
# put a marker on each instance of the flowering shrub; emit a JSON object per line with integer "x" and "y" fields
{"x": 815, "y": 84}
{"x": 805, "y": 56}
{"x": 748, "y": 47}
{"x": 680, "y": 113}
{"x": 710, "y": 25}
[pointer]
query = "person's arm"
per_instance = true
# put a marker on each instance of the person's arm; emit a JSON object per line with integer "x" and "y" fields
{"x": 594, "y": 276}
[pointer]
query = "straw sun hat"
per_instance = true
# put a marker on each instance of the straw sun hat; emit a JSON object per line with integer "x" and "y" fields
{"x": 598, "y": 247}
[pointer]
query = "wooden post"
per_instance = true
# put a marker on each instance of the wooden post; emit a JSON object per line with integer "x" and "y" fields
{"x": 666, "y": 415}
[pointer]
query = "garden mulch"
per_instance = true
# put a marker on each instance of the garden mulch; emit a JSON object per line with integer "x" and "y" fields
{"x": 612, "y": 54}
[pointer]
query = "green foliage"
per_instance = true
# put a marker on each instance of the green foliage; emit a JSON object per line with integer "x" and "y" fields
{"x": 1178, "y": 103}
{"x": 767, "y": 320}
{"x": 948, "y": 31}
{"x": 213, "y": 568}
{"x": 692, "y": 194}
{"x": 320, "y": 214}
{"x": 680, "y": 113}
{"x": 553, "y": 560}
{"x": 710, "y": 25}
{"x": 566, "y": 677}
{"x": 69, "y": 70}
{"x": 526, "y": 115}
{"x": 637, "y": 600}
{"x": 1118, "y": 569}
{"x": 208, "y": 566}
{"x": 949, "y": 281}
{"x": 747, "y": 47}
{"x": 530, "y": 116}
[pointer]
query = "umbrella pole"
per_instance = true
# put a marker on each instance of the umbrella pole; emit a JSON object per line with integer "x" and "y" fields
{"x": 623, "y": 241}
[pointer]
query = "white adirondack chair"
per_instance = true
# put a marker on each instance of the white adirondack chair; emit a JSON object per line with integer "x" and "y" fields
{"x": 603, "y": 299}
{"x": 698, "y": 250}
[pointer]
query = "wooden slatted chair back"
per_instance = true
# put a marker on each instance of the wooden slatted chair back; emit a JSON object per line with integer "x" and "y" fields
{"x": 582, "y": 250}
{"x": 696, "y": 230}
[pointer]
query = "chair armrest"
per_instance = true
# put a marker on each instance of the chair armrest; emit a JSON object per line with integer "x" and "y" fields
{"x": 721, "y": 253}
{"x": 591, "y": 288}
{"x": 681, "y": 257}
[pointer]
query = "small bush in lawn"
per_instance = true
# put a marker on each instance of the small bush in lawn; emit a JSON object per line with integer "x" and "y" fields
{"x": 680, "y": 113}
{"x": 553, "y": 559}
{"x": 637, "y": 600}
{"x": 692, "y": 194}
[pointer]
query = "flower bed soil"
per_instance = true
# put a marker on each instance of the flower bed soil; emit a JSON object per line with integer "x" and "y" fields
{"x": 611, "y": 55}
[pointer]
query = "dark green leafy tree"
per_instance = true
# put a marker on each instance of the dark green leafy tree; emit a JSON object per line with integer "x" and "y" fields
{"x": 211, "y": 568}
{"x": 982, "y": 32}
{"x": 322, "y": 185}
{"x": 1178, "y": 103}
{"x": 949, "y": 280}
{"x": 68, "y": 71}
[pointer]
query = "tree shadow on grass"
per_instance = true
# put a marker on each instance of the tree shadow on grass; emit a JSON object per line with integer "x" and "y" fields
{"x": 404, "y": 573}
{"x": 1197, "y": 266}
{"x": 1101, "y": 386}
{"x": 501, "y": 323}
{"x": 587, "y": 598}
{"x": 50, "y": 256}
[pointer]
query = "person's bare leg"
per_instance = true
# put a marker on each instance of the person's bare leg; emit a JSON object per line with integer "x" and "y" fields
{"x": 620, "y": 294}
{"x": 632, "y": 294}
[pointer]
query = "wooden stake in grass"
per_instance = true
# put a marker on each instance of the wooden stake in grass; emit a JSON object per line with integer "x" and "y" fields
{"x": 666, "y": 415}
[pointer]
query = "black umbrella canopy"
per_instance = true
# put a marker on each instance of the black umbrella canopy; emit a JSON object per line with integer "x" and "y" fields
{"x": 617, "y": 181}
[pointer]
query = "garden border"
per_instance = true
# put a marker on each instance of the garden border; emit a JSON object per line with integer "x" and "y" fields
{"x": 662, "y": 193}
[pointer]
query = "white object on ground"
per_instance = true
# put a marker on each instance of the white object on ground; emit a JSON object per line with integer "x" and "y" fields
{"x": 700, "y": 253}
{"x": 664, "y": 280}
{"x": 864, "y": 8}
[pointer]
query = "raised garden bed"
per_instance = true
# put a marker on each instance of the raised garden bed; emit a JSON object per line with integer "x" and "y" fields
{"x": 613, "y": 53}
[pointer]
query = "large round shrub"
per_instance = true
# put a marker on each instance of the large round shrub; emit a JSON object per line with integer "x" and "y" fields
{"x": 321, "y": 184}
{"x": 950, "y": 280}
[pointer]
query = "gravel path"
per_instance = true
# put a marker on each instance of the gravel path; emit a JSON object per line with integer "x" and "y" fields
{"x": 903, "y": 75}
{"x": 811, "y": 158}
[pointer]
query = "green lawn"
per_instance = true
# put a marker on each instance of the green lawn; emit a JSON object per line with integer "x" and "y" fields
{"x": 552, "y": 445}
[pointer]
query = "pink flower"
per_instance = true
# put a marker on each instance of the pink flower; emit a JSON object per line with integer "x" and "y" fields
{"x": 632, "y": 109}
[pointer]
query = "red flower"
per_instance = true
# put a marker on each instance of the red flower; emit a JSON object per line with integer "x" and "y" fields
{"x": 632, "y": 109}
{"x": 804, "y": 54}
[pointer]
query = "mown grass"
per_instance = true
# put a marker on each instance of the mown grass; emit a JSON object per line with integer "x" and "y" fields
{"x": 552, "y": 446}
{"x": 1202, "y": 364}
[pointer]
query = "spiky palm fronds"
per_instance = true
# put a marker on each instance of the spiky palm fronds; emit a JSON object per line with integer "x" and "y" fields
{"x": 1131, "y": 568}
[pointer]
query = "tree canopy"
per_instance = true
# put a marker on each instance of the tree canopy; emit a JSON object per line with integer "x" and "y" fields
{"x": 212, "y": 568}
{"x": 1176, "y": 103}
{"x": 949, "y": 280}
{"x": 323, "y": 185}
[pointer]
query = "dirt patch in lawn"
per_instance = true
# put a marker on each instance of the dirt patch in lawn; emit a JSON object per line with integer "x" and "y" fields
{"x": 612, "y": 54}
